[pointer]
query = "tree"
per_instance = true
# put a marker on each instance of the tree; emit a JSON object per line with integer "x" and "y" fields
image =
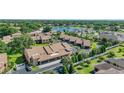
{"x": 73, "y": 59}
{"x": 93, "y": 52}
{"x": 120, "y": 50}
{"x": 71, "y": 68}
{"x": 7, "y": 30}
{"x": 102, "y": 49}
{"x": 68, "y": 66}
{"x": 65, "y": 65}
{"x": 20, "y": 43}
{"x": 80, "y": 57}
{"x": 47, "y": 29}
{"x": 65, "y": 71}
{"x": 3, "y": 47}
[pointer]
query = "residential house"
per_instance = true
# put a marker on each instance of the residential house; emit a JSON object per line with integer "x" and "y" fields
{"x": 3, "y": 62}
{"x": 110, "y": 66}
{"x": 79, "y": 42}
{"x": 105, "y": 66}
{"x": 42, "y": 55}
{"x": 40, "y": 37}
{"x": 114, "y": 36}
{"x": 75, "y": 40}
{"x": 34, "y": 33}
{"x": 18, "y": 34}
{"x": 86, "y": 43}
{"x": 118, "y": 62}
{"x": 7, "y": 39}
{"x": 110, "y": 71}
{"x": 72, "y": 39}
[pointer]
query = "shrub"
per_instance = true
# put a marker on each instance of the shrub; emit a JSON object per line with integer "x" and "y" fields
{"x": 85, "y": 65}
{"x": 79, "y": 67}
{"x": 111, "y": 54}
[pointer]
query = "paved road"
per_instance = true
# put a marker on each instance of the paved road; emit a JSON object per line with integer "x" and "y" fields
{"x": 23, "y": 71}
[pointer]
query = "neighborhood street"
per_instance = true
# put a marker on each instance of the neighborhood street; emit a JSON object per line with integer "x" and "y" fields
{"x": 43, "y": 68}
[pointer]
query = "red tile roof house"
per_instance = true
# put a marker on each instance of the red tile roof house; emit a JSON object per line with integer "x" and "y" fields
{"x": 72, "y": 39}
{"x": 18, "y": 34}
{"x": 75, "y": 40}
{"x": 40, "y": 37}
{"x": 43, "y": 55}
{"x": 64, "y": 37}
{"x": 34, "y": 33}
{"x": 7, "y": 39}
{"x": 86, "y": 43}
{"x": 3, "y": 62}
{"x": 79, "y": 42}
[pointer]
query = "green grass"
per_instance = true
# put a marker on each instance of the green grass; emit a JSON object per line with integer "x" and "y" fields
{"x": 35, "y": 68}
{"x": 116, "y": 51}
{"x": 16, "y": 58}
{"x": 40, "y": 44}
{"x": 87, "y": 70}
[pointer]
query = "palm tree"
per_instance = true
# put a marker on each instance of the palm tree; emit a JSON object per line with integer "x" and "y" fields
{"x": 68, "y": 66}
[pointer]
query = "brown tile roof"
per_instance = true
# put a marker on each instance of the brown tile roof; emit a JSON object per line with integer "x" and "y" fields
{"x": 47, "y": 52}
{"x": 48, "y": 33}
{"x": 34, "y": 33}
{"x": 76, "y": 40}
{"x": 66, "y": 37}
{"x": 40, "y": 36}
{"x": 62, "y": 36}
{"x": 79, "y": 41}
{"x": 16, "y": 34}
{"x": 86, "y": 43}
{"x": 73, "y": 39}
{"x": 43, "y": 37}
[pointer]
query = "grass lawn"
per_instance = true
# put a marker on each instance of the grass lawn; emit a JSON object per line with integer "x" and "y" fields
{"x": 16, "y": 58}
{"x": 40, "y": 44}
{"x": 35, "y": 68}
{"x": 86, "y": 70}
{"x": 117, "y": 53}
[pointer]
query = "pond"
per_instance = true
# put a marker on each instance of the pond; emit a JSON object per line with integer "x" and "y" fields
{"x": 71, "y": 29}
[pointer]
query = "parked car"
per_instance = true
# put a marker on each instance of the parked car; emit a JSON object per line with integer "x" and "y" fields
{"x": 59, "y": 69}
{"x": 28, "y": 68}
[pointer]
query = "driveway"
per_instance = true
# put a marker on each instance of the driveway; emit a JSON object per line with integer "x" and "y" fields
{"x": 45, "y": 67}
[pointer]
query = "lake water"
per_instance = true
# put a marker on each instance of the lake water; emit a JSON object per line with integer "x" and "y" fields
{"x": 72, "y": 29}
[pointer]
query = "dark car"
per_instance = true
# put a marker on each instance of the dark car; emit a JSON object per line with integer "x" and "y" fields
{"x": 59, "y": 69}
{"x": 28, "y": 68}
